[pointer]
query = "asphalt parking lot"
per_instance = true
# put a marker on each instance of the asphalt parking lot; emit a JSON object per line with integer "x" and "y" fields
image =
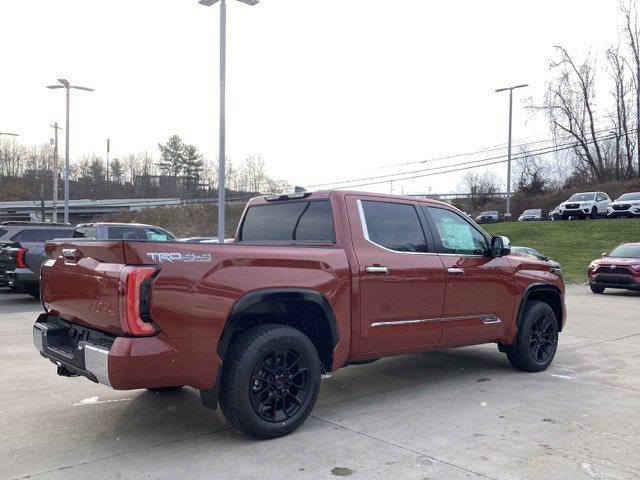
{"x": 458, "y": 414}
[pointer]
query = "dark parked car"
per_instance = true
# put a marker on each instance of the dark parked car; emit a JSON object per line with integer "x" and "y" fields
{"x": 533, "y": 215}
{"x": 22, "y": 252}
{"x": 488, "y": 217}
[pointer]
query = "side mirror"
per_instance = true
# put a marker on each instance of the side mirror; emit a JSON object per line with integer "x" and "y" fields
{"x": 500, "y": 246}
{"x": 605, "y": 254}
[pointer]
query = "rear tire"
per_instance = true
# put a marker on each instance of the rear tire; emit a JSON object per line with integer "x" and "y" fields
{"x": 270, "y": 381}
{"x": 535, "y": 346}
{"x": 596, "y": 289}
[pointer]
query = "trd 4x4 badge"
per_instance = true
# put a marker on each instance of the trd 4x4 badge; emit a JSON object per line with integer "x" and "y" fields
{"x": 180, "y": 257}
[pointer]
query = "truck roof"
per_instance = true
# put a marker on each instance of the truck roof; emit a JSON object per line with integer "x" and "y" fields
{"x": 326, "y": 194}
{"x": 115, "y": 224}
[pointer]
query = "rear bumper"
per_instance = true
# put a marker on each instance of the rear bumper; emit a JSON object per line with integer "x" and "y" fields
{"x": 21, "y": 277}
{"x": 615, "y": 281}
{"x": 125, "y": 363}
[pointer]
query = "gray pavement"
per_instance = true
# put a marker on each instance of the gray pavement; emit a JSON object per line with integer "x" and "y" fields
{"x": 457, "y": 414}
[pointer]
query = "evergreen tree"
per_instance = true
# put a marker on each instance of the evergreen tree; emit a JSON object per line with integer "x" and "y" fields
{"x": 192, "y": 162}
{"x": 172, "y": 156}
{"x": 116, "y": 171}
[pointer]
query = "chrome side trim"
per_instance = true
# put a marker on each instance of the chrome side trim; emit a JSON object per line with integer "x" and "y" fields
{"x": 491, "y": 320}
{"x": 406, "y": 322}
{"x": 486, "y": 319}
{"x": 96, "y": 361}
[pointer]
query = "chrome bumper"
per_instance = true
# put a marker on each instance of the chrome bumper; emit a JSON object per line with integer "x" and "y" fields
{"x": 76, "y": 358}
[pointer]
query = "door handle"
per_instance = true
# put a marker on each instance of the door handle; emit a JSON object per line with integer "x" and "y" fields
{"x": 455, "y": 271}
{"x": 376, "y": 269}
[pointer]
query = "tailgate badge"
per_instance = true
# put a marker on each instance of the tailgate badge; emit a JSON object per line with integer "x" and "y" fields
{"x": 176, "y": 257}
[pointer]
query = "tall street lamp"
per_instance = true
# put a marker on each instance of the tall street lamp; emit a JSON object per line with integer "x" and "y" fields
{"x": 223, "y": 73}
{"x": 510, "y": 89}
{"x": 68, "y": 87}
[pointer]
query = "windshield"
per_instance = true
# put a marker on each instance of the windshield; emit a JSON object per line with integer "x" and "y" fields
{"x": 626, "y": 251}
{"x": 629, "y": 196}
{"x": 489, "y": 213}
{"x": 581, "y": 197}
{"x": 532, "y": 212}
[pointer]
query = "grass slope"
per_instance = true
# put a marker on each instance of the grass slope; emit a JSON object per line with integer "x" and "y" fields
{"x": 572, "y": 243}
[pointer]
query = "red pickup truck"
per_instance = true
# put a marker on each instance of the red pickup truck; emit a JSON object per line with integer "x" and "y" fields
{"x": 313, "y": 282}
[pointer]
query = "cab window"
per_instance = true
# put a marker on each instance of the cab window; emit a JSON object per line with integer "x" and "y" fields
{"x": 395, "y": 226}
{"x": 456, "y": 235}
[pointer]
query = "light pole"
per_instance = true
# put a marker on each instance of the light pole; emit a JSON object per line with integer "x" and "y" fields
{"x": 1, "y": 170}
{"x": 67, "y": 86}
{"x": 507, "y": 214}
{"x": 222, "y": 133}
{"x": 54, "y": 211}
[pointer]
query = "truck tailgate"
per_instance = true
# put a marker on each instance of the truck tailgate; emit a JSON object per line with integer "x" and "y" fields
{"x": 81, "y": 282}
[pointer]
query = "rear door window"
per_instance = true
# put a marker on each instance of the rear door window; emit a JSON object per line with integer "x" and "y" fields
{"x": 395, "y": 226}
{"x": 289, "y": 222}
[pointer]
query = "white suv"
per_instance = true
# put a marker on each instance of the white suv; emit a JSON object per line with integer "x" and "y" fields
{"x": 582, "y": 205}
{"x": 627, "y": 205}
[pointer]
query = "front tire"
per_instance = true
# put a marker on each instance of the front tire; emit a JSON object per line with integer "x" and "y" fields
{"x": 596, "y": 289}
{"x": 270, "y": 381}
{"x": 537, "y": 341}
{"x": 594, "y": 213}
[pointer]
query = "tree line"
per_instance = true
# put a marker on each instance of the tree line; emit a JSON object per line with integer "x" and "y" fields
{"x": 180, "y": 170}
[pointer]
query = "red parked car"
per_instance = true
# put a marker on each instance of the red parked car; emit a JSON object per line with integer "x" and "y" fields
{"x": 618, "y": 269}
{"x": 313, "y": 282}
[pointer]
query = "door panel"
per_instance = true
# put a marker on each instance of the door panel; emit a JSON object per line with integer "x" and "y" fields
{"x": 401, "y": 305}
{"x": 479, "y": 303}
{"x": 479, "y": 289}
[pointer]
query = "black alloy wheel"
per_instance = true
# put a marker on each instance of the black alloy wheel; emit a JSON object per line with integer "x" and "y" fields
{"x": 279, "y": 383}
{"x": 537, "y": 341}
{"x": 542, "y": 339}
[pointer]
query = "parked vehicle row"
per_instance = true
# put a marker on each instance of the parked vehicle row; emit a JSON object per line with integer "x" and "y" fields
{"x": 597, "y": 204}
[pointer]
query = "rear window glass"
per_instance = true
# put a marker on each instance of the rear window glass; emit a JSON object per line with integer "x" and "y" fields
{"x": 41, "y": 235}
{"x": 123, "y": 233}
{"x": 292, "y": 221}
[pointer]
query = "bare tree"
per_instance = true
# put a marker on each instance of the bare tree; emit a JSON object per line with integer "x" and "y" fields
{"x": 632, "y": 32}
{"x": 622, "y": 88}
{"x": 481, "y": 187}
{"x": 569, "y": 106}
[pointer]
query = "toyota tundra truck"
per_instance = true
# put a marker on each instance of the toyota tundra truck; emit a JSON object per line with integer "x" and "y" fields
{"x": 312, "y": 283}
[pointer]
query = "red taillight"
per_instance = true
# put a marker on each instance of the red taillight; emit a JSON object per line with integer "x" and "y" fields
{"x": 134, "y": 299}
{"x": 20, "y": 254}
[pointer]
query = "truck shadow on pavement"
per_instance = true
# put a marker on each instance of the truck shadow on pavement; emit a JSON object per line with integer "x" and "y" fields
{"x": 180, "y": 415}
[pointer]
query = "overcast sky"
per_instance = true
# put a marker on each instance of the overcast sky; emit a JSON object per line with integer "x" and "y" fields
{"x": 324, "y": 90}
